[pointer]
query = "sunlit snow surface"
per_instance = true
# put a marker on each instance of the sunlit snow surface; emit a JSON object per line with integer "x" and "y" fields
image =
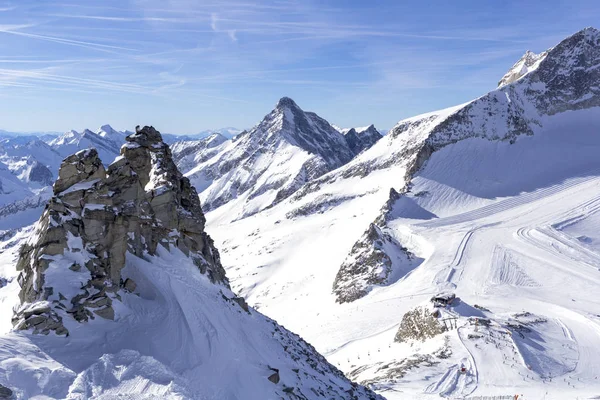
{"x": 511, "y": 227}
{"x": 177, "y": 337}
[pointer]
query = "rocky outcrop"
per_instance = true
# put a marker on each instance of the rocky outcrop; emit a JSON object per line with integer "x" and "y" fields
{"x": 361, "y": 139}
{"x": 71, "y": 267}
{"x": 418, "y": 324}
{"x": 374, "y": 259}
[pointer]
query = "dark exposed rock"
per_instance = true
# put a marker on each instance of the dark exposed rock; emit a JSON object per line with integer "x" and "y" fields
{"x": 5, "y": 393}
{"x": 40, "y": 173}
{"x": 359, "y": 141}
{"x": 141, "y": 200}
{"x": 274, "y": 377}
{"x": 129, "y": 285}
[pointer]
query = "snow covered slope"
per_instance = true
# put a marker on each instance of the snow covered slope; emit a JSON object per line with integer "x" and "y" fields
{"x": 187, "y": 154}
{"x": 127, "y": 288}
{"x": 494, "y": 201}
{"x": 263, "y": 166}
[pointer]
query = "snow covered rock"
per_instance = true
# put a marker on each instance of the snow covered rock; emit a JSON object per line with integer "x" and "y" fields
{"x": 106, "y": 140}
{"x": 526, "y": 64}
{"x": 189, "y": 153}
{"x": 374, "y": 259}
{"x": 97, "y": 216}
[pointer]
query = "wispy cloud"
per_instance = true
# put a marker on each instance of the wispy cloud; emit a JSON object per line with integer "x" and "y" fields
{"x": 223, "y": 53}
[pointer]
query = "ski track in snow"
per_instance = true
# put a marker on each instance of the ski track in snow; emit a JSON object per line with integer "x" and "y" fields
{"x": 531, "y": 251}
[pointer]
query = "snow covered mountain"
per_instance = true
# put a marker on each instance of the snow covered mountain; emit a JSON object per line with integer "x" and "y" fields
{"x": 187, "y": 154}
{"x": 266, "y": 164}
{"x": 105, "y": 140}
{"x": 121, "y": 294}
{"x": 228, "y": 132}
{"x": 492, "y": 201}
{"x": 31, "y": 164}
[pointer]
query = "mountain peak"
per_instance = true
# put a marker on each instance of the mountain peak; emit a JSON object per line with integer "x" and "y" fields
{"x": 286, "y": 102}
{"x": 527, "y": 63}
{"x": 107, "y": 128}
{"x": 145, "y": 137}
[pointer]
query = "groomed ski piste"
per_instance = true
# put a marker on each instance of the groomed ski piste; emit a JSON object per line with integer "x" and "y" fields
{"x": 509, "y": 228}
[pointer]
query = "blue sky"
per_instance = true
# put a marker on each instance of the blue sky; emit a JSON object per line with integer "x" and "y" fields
{"x": 185, "y": 66}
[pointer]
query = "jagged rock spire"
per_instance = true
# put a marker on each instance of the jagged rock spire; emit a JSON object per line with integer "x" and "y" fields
{"x": 72, "y": 266}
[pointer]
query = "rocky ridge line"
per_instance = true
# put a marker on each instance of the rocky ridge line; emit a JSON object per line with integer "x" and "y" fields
{"x": 96, "y": 216}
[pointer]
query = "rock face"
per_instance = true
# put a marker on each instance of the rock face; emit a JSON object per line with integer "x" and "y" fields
{"x": 376, "y": 259}
{"x": 361, "y": 139}
{"x": 418, "y": 324}
{"x": 40, "y": 174}
{"x": 96, "y": 216}
{"x": 373, "y": 260}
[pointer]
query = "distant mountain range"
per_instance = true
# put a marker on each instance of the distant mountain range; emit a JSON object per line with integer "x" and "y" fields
{"x": 455, "y": 256}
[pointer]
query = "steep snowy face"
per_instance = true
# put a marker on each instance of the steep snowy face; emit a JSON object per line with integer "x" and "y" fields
{"x": 189, "y": 153}
{"x": 268, "y": 163}
{"x": 360, "y": 139}
{"x": 563, "y": 79}
{"x": 306, "y": 130}
{"x": 120, "y": 264}
{"x": 527, "y": 63}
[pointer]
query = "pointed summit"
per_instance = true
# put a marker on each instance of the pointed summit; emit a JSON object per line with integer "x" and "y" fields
{"x": 527, "y": 63}
{"x": 286, "y": 102}
{"x": 269, "y": 162}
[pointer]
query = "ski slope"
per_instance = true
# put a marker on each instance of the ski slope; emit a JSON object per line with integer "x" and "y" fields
{"x": 504, "y": 226}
